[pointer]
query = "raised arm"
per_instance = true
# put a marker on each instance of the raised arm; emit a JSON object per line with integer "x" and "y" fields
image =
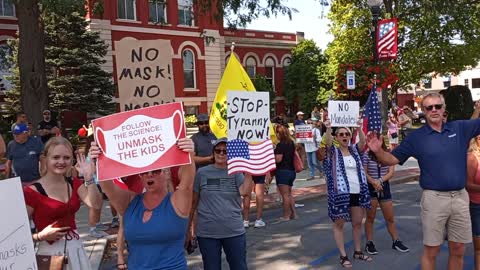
{"x": 375, "y": 145}
{"x": 119, "y": 198}
{"x": 361, "y": 135}
{"x": 328, "y": 134}
{"x": 89, "y": 192}
{"x": 182, "y": 197}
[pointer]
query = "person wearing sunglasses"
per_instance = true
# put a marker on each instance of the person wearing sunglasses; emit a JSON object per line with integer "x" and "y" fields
{"x": 347, "y": 188}
{"x": 47, "y": 128}
{"x": 155, "y": 221}
{"x": 203, "y": 141}
{"x": 441, "y": 151}
{"x": 217, "y": 199}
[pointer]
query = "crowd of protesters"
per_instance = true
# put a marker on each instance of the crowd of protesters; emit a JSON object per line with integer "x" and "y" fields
{"x": 170, "y": 212}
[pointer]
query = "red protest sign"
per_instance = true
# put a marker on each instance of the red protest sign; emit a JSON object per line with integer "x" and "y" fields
{"x": 140, "y": 141}
{"x": 303, "y": 133}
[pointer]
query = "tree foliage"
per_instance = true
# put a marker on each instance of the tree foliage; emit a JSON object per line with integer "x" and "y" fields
{"x": 73, "y": 58}
{"x": 302, "y": 80}
{"x": 261, "y": 84}
{"x": 434, "y": 36}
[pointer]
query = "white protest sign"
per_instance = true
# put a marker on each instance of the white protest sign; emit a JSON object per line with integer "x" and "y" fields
{"x": 16, "y": 244}
{"x": 144, "y": 73}
{"x": 248, "y": 115}
{"x": 343, "y": 113}
{"x": 303, "y": 133}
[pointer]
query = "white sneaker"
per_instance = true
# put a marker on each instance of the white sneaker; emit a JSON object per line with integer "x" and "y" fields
{"x": 246, "y": 224}
{"x": 97, "y": 234}
{"x": 299, "y": 205}
{"x": 259, "y": 223}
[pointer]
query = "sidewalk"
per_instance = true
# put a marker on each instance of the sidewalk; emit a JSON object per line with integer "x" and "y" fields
{"x": 302, "y": 190}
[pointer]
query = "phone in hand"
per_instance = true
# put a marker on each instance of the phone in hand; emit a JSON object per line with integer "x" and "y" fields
{"x": 61, "y": 223}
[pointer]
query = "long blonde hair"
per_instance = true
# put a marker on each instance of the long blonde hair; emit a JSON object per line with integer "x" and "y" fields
{"x": 474, "y": 148}
{"x": 52, "y": 143}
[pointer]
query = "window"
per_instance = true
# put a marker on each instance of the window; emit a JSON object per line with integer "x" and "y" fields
{"x": 251, "y": 67}
{"x": 185, "y": 14}
{"x": 7, "y": 8}
{"x": 188, "y": 69}
{"x": 465, "y": 82}
{"x": 427, "y": 83}
{"x": 126, "y": 9}
{"x": 476, "y": 83}
{"x": 447, "y": 81}
{"x": 270, "y": 72}
{"x": 287, "y": 61}
{"x": 158, "y": 11}
{"x": 191, "y": 110}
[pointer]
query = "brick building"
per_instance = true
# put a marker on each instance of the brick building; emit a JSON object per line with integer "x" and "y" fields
{"x": 200, "y": 45}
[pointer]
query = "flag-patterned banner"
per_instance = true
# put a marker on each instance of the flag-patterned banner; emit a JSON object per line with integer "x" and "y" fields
{"x": 255, "y": 159}
{"x": 372, "y": 119}
{"x": 387, "y": 32}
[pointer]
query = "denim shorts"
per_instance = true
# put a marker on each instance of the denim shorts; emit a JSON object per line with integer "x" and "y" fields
{"x": 475, "y": 217}
{"x": 259, "y": 179}
{"x": 285, "y": 177}
{"x": 385, "y": 195}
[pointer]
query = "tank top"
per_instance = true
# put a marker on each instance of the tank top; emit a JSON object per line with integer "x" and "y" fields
{"x": 475, "y": 196}
{"x": 158, "y": 243}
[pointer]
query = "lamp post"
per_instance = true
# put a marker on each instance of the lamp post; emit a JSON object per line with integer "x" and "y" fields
{"x": 375, "y": 8}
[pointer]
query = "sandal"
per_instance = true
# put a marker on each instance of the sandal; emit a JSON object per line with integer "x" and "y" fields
{"x": 122, "y": 266}
{"x": 358, "y": 255}
{"x": 345, "y": 262}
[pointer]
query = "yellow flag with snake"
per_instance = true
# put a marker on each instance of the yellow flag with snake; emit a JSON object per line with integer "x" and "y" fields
{"x": 234, "y": 78}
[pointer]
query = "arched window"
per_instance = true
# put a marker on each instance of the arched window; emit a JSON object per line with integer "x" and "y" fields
{"x": 5, "y": 67}
{"x": 270, "y": 71}
{"x": 286, "y": 62}
{"x": 251, "y": 67}
{"x": 188, "y": 69}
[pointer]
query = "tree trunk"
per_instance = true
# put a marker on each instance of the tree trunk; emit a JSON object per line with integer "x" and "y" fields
{"x": 31, "y": 60}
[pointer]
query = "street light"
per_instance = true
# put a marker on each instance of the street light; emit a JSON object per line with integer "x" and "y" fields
{"x": 375, "y": 8}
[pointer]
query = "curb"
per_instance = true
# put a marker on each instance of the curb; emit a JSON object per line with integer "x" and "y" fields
{"x": 300, "y": 198}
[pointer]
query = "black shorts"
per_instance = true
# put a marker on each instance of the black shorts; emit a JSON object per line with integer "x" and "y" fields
{"x": 354, "y": 200}
{"x": 259, "y": 179}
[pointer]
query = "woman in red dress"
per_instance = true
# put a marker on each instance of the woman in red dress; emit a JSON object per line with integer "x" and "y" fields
{"x": 53, "y": 201}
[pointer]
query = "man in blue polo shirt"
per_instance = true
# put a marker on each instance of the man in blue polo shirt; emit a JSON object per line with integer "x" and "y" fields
{"x": 441, "y": 151}
{"x": 23, "y": 155}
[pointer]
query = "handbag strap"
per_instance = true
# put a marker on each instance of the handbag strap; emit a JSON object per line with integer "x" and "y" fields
{"x": 65, "y": 258}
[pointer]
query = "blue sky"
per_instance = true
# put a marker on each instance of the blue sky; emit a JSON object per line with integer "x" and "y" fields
{"x": 307, "y": 19}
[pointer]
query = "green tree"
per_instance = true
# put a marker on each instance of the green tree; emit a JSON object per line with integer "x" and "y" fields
{"x": 303, "y": 84}
{"x": 73, "y": 58}
{"x": 261, "y": 84}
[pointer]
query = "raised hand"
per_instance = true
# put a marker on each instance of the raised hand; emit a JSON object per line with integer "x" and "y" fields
{"x": 94, "y": 151}
{"x": 85, "y": 168}
{"x": 374, "y": 142}
{"x": 186, "y": 145}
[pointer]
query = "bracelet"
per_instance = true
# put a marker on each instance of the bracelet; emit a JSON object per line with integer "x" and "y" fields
{"x": 38, "y": 237}
{"x": 88, "y": 182}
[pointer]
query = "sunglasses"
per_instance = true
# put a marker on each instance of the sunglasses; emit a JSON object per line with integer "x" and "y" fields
{"x": 220, "y": 151}
{"x": 436, "y": 106}
{"x": 202, "y": 123}
{"x": 344, "y": 134}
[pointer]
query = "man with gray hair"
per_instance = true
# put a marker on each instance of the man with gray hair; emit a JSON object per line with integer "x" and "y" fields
{"x": 441, "y": 151}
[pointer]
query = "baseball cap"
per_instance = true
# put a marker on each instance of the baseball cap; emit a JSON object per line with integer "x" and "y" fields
{"x": 221, "y": 140}
{"x": 300, "y": 113}
{"x": 19, "y": 129}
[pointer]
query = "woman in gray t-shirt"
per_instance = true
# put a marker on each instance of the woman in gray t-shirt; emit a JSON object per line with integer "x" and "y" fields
{"x": 219, "y": 224}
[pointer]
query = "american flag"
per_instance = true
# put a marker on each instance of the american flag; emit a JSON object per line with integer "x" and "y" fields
{"x": 372, "y": 119}
{"x": 255, "y": 159}
{"x": 387, "y": 39}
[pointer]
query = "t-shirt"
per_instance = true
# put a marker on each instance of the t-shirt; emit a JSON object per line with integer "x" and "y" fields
{"x": 46, "y": 125}
{"x": 287, "y": 150}
{"x": 25, "y": 158}
{"x": 220, "y": 205}
{"x": 352, "y": 176}
{"x": 203, "y": 145}
{"x": 372, "y": 166}
{"x": 404, "y": 117}
{"x": 317, "y": 138}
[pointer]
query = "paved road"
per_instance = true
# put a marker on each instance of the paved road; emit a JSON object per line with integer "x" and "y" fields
{"x": 307, "y": 243}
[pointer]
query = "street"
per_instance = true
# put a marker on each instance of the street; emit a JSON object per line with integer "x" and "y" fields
{"x": 307, "y": 243}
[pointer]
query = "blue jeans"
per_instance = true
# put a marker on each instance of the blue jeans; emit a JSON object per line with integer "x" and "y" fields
{"x": 235, "y": 249}
{"x": 313, "y": 163}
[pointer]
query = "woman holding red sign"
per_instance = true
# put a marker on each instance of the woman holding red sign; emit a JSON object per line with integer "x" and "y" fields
{"x": 54, "y": 199}
{"x": 155, "y": 222}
